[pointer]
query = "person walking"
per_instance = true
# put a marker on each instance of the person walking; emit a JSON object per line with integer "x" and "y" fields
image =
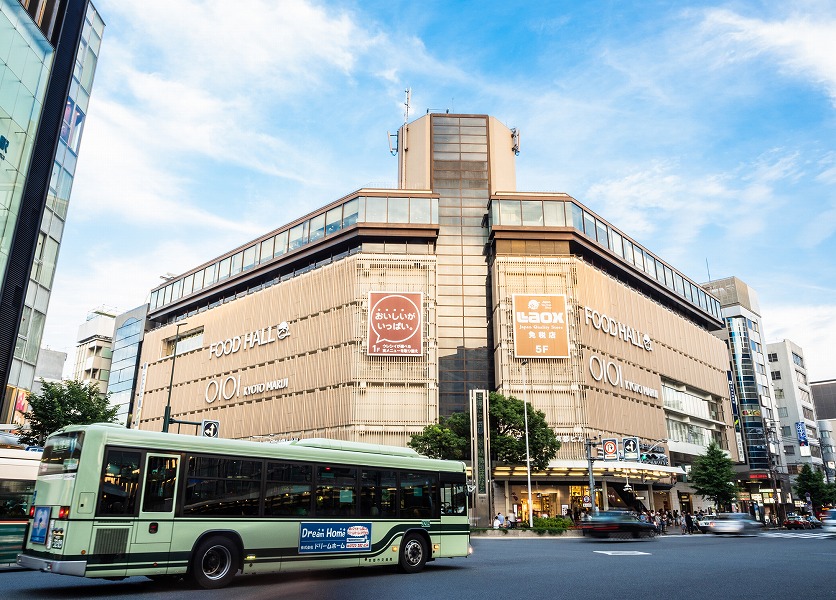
{"x": 512, "y": 520}
{"x": 689, "y": 523}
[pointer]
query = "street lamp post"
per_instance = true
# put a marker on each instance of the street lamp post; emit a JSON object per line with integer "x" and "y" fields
{"x": 167, "y": 413}
{"x": 527, "y": 455}
{"x": 589, "y": 443}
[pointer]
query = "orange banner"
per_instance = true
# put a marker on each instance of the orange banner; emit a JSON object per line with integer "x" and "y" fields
{"x": 540, "y": 328}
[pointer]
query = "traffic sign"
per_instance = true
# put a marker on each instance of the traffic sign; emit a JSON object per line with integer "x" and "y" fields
{"x": 630, "y": 445}
{"x": 210, "y": 428}
{"x": 610, "y": 449}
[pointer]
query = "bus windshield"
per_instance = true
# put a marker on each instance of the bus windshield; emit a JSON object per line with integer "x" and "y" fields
{"x": 61, "y": 454}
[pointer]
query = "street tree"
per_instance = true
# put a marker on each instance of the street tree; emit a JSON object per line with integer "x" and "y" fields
{"x": 450, "y": 437}
{"x": 65, "y": 403}
{"x": 812, "y": 482}
{"x": 712, "y": 476}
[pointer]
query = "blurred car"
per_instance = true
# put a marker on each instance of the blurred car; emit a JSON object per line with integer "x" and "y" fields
{"x": 617, "y": 524}
{"x": 735, "y": 524}
{"x": 814, "y": 522}
{"x": 828, "y": 522}
{"x": 704, "y": 523}
{"x": 794, "y": 521}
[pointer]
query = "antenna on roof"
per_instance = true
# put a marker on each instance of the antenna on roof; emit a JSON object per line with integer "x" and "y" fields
{"x": 515, "y": 141}
{"x": 407, "y": 105}
{"x": 707, "y": 269}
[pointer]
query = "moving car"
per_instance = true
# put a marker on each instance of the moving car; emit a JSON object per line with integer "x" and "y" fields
{"x": 814, "y": 522}
{"x": 735, "y": 524}
{"x": 617, "y": 524}
{"x": 828, "y": 522}
{"x": 704, "y": 523}
{"x": 794, "y": 521}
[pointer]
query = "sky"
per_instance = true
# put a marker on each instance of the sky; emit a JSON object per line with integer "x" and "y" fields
{"x": 704, "y": 130}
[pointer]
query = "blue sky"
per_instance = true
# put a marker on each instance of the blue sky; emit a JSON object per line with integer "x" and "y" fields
{"x": 707, "y": 131}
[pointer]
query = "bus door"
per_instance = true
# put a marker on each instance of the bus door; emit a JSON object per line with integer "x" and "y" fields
{"x": 155, "y": 525}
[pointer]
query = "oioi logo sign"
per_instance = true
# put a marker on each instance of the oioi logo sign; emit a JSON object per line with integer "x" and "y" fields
{"x": 396, "y": 323}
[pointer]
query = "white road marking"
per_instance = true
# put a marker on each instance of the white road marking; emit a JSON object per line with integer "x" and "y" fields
{"x": 622, "y": 552}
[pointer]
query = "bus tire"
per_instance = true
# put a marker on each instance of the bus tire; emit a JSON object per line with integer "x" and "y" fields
{"x": 215, "y": 562}
{"x": 413, "y": 555}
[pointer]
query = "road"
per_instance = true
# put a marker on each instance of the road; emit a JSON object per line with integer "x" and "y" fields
{"x": 775, "y": 565}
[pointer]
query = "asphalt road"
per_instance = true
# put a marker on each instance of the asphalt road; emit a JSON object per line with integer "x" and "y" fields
{"x": 776, "y": 565}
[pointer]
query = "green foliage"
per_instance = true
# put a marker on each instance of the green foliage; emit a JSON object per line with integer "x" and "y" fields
{"x": 450, "y": 437}
{"x": 553, "y": 524}
{"x": 812, "y": 481}
{"x": 713, "y": 476}
{"x": 65, "y": 403}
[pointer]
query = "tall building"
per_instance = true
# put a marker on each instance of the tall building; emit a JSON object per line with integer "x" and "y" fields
{"x": 95, "y": 348}
{"x": 762, "y": 472}
{"x": 824, "y": 399}
{"x": 373, "y": 315}
{"x": 128, "y": 329}
{"x": 48, "y": 56}
{"x": 799, "y": 430}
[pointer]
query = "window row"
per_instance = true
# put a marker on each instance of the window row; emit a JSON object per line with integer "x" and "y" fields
{"x": 364, "y": 209}
{"x": 555, "y": 213}
{"x": 225, "y": 486}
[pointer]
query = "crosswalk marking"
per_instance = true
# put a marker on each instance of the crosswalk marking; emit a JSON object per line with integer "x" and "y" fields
{"x": 797, "y": 534}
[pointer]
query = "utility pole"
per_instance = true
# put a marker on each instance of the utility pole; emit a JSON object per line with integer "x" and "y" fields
{"x": 588, "y": 444}
{"x": 523, "y": 364}
{"x": 167, "y": 414}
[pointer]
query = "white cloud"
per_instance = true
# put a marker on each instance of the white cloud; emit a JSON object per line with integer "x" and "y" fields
{"x": 813, "y": 327}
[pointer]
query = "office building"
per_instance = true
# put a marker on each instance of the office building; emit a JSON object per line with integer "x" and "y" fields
{"x": 762, "y": 472}
{"x": 128, "y": 330}
{"x": 47, "y": 61}
{"x": 95, "y": 348}
{"x": 798, "y": 427}
{"x": 824, "y": 399}
{"x": 372, "y": 316}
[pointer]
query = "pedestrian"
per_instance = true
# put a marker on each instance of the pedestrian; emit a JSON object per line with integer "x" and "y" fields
{"x": 689, "y": 523}
{"x": 501, "y": 518}
{"x": 512, "y": 520}
{"x": 496, "y": 522}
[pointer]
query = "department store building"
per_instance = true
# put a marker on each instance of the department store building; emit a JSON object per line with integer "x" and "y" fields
{"x": 370, "y": 317}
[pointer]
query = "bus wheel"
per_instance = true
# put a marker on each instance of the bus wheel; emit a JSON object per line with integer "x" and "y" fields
{"x": 413, "y": 554}
{"x": 215, "y": 563}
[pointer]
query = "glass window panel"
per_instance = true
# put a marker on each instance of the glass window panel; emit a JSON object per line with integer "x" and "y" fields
{"x": 210, "y": 274}
{"x": 510, "y": 212}
{"x": 554, "y": 215}
{"x": 333, "y": 220}
{"x": 298, "y": 236}
{"x": 267, "y": 250}
{"x": 153, "y": 302}
{"x": 188, "y": 284}
{"x": 378, "y": 494}
{"x": 418, "y": 495}
{"x": 616, "y": 243}
{"x": 660, "y": 272}
{"x": 589, "y": 225}
{"x": 236, "y": 263}
{"x": 495, "y": 213}
{"x": 677, "y": 279}
{"x": 398, "y": 210}
{"x": 223, "y": 268}
{"x": 574, "y": 216}
{"x": 167, "y": 294}
{"x": 198, "y": 280}
{"x": 420, "y": 210}
{"x": 649, "y": 265}
{"x": 250, "y": 257}
{"x": 639, "y": 256}
{"x": 532, "y": 213}
{"x": 317, "y": 227}
{"x": 628, "y": 251}
{"x": 375, "y": 210}
{"x": 351, "y": 212}
{"x": 336, "y": 491}
{"x": 119, "y": 483}
{"x": 669, "y": 277}
{"x": 603, "y": 238}
{"x": 281, "y": 243}
{"x": 177, "y": 290}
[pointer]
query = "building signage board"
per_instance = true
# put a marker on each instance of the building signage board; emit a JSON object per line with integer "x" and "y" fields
{"x": 801, "y": 430}
{"x": 540, "y": 326}
{"x": 611, "y": 326}
{"x": 611, "y": 371}
{"x": 249, "y": 340}
{"x": 396, "y": 324}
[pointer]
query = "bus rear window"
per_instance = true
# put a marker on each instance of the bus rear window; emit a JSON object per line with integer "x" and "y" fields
{"x": 61, "y": 453}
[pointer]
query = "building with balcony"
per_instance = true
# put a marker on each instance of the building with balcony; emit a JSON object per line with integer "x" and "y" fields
{"x": 94, "y": 349}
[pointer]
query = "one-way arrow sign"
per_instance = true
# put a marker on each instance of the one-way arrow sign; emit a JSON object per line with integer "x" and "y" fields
{"x": 211, "y": 428}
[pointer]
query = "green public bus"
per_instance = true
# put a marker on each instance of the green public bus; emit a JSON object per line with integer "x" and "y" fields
{"x": 112, "y": 503}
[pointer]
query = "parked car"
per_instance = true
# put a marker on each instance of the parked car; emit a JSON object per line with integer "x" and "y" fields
{"x": 794, "y": 521}
{"x": 828, "y": 521}
{"x": 617, "y": 524}
{"x": 814, "y": 522}
{"x": 735, "y": 524}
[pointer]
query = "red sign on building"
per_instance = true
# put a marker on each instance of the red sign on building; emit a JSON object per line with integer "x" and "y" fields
{"x": 396, "y": 324}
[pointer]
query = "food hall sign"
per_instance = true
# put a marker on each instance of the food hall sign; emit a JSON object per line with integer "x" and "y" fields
{"x": 608, "y": 325}
{"x": 249, "y": 340}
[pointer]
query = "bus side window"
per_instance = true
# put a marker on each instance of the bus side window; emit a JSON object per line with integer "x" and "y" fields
{"x": 119, "y": 483}
{"x": 453, "y": 499}
{"x": 160, "y": 481}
